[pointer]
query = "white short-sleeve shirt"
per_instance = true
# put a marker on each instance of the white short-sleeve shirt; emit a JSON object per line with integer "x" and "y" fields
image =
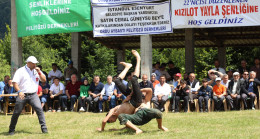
{"x": 56, "y": 74}
{"x": 162, "y": 90}
{"x": 27, "y": 79}
{"x": 56, "y": 89}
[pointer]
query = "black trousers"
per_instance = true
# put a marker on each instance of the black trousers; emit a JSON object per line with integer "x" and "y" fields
{"x": 82, "y": 102}
{"x": 177, "y": 101}
{"x": 51, "y": 100}
{"x": 136, "y": 99}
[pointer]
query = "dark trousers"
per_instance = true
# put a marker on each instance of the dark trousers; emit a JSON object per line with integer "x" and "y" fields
{"x": 35, "y": 102}
{"x": 63, "y": 101}
{"x": 51, "y": 100}
{"x": 252, "y": 99}
{"x": 205, "y": 99}
{"x": 82, "y": 102}
{"x": 177, "y": 101}
{"x": 93, "y": 103}
{"x": 159, "y": 104}
{"x": 218, "y": 102}
{"x": 136, "y": 98}
{"x": 73, "y": 100}
{"x": 234, "y": 103}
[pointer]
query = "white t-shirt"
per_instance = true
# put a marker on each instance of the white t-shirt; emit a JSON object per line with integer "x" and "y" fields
{"x": 56, "y": 74}
{"x": 27, "y": 79}
{"x": 56, "y": 89}
{"x": 162, "y": 90}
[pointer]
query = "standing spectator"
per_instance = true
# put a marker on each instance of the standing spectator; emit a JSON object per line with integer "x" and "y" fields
{"x": 182, "y": 93}
{"x": 213, "y": 74}
{"x": 95, "y": 92}
{"x": 219, "y": 92}
{"x": 45, "y": 92}
{"x": 161, "y": 93}
{"x": 225, "y": 81}
{"x": 156, "y": 66}
{"x": 26, "y": 81}
{"x": 107, "y": 94}
{"x": 249, "y": 89}
{"x": 204, "y": 94}
{"x": 57, "y": 92}
{"x": 256, "y": 68}
{"x": 233, "y": 91}
{"x": 54, "y": 73}
{"x": 164, "y": 72}
{"x": 45, "y": 73}
{"x": 218, "y": 68}
{"x": 83, "y": 95}
{"x": 186, "y": 76}
{"x": 154, "y": 80}
{"x": 243, "y": 67}
{"x": 145, "y": 83}
{"x": 69, "y": 71}
{"x": 230, "y": 74}
{"x": 72, "y": 90}
{"x": 172, "y": 69}
{"x": 195, "y": 85}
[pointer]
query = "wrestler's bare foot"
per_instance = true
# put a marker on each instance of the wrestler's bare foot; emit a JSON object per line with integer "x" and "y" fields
{"x": 136, "y": 54}
{"x": 127, "y": 65}
{"x": 138, "y": 131}
{"x": 164, "y": 128}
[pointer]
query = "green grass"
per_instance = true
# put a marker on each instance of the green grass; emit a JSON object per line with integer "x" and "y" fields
{"x": 238, "y": 124}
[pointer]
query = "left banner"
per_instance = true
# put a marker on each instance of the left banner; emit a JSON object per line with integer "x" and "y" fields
{"x": 38, "y": 17}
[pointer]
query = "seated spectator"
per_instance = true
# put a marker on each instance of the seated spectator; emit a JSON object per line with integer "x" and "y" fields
{"x": 9, "y": 89}
{"x": 164, "y": 72}
{"x": 45, "y": 92}
{"x": 230, "y": 74}
{"x": 118, "y": 93}
{"x": 213, "y": 74}
{"x": 95, "y": 92}
{"x": 182, "y": 93}
{"x": 225, "y": 81}
{"x": 72, "y": 90}
{"x": 161, "y": 93}
{"x": 83, "y": 95}
{"x": 57, "y": 92}
{"x": 195, "y": 85}
{"x": 218, "y": 68}
{"x": 172, "y": 69}
{"x": 54, "y": 73}
{"x": 2, "y": 85}
{"x": 243, "y": 67}
{"x": 256, "y": 68}
{"x": 219, "y": 92}
{"x": 107, "y": 94}
{"x": 153, "y": 80}
{"x": 145, "y": 83}
{"x": 45, "y": 73}
{"x": 245, "y": 76}
{"x": 249, "y": 89}
{"x": 204, "y": 94}
{"x": 39, "y": 92}
{"x": 176, "y": 80}
{"x": 69, "y": 71}
{"x": 233, "y": 91}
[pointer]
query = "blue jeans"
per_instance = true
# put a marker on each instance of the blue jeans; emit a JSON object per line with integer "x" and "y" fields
{"x": 44, "y": 98}
{"x": 73, "y": 99}
{"x": 123, "y": 97}
{"x": 105, "y": 98}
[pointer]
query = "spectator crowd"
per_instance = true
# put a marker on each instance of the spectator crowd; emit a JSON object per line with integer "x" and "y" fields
{"x": 238, "y": 88}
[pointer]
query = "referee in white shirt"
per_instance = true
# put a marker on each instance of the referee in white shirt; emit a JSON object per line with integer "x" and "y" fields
{"x": 26, "y": 81}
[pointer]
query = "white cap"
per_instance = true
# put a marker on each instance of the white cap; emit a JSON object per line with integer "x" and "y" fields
{"x": 235, "y": 73}
{"x": 218, "y": 79}
{"x": 32, "y": 59}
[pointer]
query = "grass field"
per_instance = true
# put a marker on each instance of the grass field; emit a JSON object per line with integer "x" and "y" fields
{"x": 238, "y": 124}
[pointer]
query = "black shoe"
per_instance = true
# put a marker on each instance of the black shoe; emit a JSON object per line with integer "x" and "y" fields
{"x": 11, "y": 132}
{"x": 44, "y": 131}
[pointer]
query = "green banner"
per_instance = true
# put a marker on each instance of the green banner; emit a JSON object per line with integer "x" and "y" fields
{"x": 37, "y": 17}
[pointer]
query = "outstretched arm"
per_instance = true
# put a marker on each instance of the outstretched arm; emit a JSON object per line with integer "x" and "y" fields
{"x": 106, "y": 119}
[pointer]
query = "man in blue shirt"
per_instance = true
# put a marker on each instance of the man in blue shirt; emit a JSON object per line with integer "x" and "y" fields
{"x": 107, "y": 94}
{"x": 2, "y": 86}
{"x": 95, "y": 92}
{"x": 204, "y": 94}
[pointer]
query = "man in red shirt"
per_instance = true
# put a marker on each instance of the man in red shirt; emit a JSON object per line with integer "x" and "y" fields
{"x": 72, "y": 90}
